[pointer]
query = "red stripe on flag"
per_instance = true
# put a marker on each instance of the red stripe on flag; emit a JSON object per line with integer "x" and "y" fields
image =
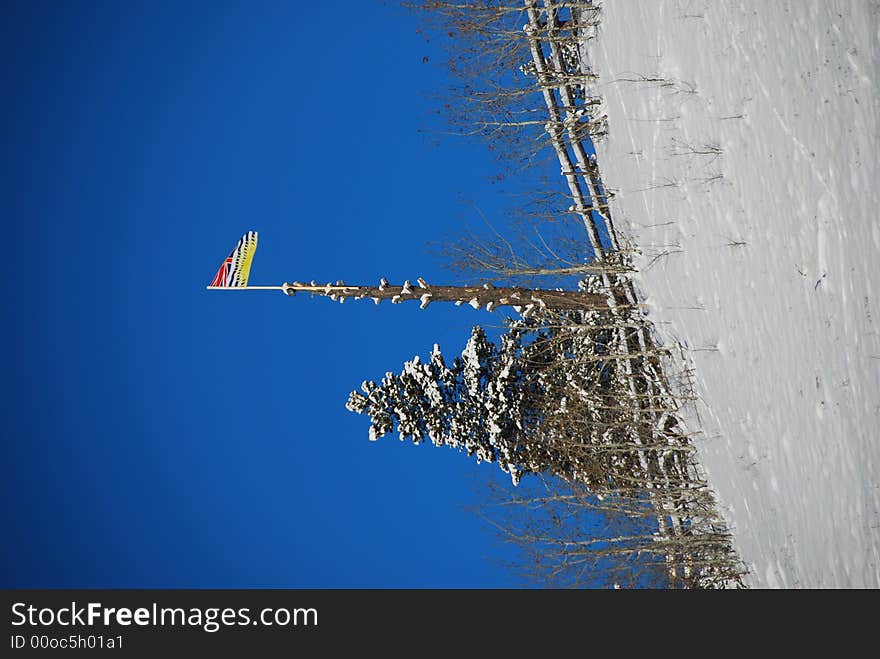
{"x": 220, "y": 279}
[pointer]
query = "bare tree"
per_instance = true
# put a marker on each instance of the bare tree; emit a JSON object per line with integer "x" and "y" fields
{"x": 577, "y": 394}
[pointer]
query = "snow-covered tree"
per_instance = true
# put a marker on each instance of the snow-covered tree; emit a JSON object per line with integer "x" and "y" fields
{"x": 555, "y": 395}
{"x": 508, "y": 403}
{"x": 480, "y": 403}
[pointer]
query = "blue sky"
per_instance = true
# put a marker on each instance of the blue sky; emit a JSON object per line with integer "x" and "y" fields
{"x": 162, "y": 435}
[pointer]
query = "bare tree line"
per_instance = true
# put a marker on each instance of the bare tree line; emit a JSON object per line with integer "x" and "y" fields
{"x": 576, "y": 398}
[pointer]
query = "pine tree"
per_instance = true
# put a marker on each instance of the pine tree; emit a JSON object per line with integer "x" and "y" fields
{"x": 508, "y": 403}
{"x": 480, "y": 403}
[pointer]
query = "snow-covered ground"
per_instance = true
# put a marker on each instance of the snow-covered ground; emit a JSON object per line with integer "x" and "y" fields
{"x": 743, "y": 151}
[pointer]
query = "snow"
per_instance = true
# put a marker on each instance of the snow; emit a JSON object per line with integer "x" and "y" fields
{"x": 742, "y": 151}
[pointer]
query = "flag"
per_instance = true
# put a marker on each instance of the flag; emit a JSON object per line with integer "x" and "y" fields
{"x": 237, "y": 266}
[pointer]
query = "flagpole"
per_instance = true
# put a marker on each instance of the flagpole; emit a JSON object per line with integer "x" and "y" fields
{"x": 326, "y": 289}
{"x": 245, "y": 288}
{"x": 237, "y": 265}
